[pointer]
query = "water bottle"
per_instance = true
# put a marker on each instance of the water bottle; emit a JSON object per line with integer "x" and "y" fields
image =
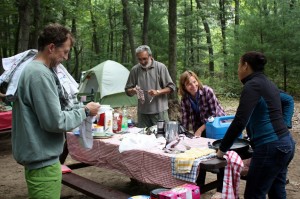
{"x": 124, "y": 120}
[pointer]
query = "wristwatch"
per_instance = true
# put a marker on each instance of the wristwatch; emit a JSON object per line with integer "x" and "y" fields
{"x": 158, "y": 92}
{"x": 87, "y": 111}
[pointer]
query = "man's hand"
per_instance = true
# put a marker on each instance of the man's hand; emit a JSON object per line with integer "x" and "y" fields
{"x": 132, "y": 91}
{"x": 93, "y": 107}
{"x": 2, "y": 95}
{"x": 153, "y": 92}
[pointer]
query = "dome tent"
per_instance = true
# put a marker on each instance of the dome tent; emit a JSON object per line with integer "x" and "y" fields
{"x": 107, "y": 80}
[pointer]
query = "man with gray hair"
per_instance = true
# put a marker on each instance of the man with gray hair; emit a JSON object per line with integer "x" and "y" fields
{"x": 152, "y": 78}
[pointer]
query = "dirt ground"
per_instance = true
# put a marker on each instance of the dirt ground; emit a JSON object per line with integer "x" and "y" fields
{"x": 13, "y": 186}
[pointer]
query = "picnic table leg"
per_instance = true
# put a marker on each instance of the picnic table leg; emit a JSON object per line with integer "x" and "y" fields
{"x": 63, "y": 156}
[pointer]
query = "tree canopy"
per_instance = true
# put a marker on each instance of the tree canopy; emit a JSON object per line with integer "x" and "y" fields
{"x": 206, "y": 36}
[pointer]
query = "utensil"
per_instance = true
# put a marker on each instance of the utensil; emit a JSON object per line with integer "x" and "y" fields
{"x": 151, "y": 99}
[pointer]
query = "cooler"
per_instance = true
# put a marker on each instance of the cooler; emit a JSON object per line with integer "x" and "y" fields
{"x": 218, "y": 127}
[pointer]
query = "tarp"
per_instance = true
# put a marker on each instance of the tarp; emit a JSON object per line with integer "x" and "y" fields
{"x": 6, "y": 120}
{"x": 107, "y": 82}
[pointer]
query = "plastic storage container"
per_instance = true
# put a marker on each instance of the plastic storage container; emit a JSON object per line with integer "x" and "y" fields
{"x": 218, "y": 127}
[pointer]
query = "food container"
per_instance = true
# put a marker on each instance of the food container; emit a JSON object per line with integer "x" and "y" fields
{"x": 154, "y": 193}
{"x": 140, "y": 197}
{"x": 99, "y": 131}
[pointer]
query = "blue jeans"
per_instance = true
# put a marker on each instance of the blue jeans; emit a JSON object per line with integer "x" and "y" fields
{"x": 268, "y": 169}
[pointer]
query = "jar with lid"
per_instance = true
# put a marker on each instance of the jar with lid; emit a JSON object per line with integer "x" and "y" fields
{"x": 117, "y": 122}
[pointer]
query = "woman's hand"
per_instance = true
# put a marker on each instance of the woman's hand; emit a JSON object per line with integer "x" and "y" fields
{"x": 220, "y": 154}
{"x": 198, "y": 133}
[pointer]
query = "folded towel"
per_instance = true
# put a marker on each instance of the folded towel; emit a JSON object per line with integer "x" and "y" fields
{"x": 184, "y": 161}
{"x": 192, "y": 175}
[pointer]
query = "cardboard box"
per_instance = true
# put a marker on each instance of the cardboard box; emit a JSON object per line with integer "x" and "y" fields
{"x": 175, "y": 193}
{"x": 186, "y": 191}
{"x": 194, "y": 189}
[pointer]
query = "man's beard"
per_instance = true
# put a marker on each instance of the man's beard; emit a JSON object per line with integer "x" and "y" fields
{"x": 54, "y": 63}
{"x": 148, "y": 64}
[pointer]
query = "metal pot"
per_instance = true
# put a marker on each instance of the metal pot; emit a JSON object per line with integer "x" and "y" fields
{"x": 241, "y": 146}
{"x": 171, "y": 131}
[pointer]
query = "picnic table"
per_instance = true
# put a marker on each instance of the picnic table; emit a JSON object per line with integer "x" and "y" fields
{"x": 152, "y": 166}
{"x": 5, "y": 121}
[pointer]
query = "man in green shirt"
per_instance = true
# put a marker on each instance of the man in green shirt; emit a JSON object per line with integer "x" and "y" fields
{"x": 39, "y": 117}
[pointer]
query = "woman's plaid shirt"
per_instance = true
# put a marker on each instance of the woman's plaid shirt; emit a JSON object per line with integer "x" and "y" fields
{"x": 208, "y": 106}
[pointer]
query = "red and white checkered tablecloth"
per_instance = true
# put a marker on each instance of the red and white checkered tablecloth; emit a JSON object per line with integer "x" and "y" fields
{"x": 148, "y": 166}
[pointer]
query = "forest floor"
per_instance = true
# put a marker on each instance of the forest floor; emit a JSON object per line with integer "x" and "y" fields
{"x": 13, "y": 186}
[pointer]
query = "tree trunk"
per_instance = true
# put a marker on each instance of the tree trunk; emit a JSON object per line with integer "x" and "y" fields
{"x": 24, "y": 25}
{"x": 222, "y": 11}
{"x": 5, "y": 35}
{"x": 95, "y": 46}
{"x": 110, "y": 46}
{"x": 172, "y": 41}
{"x": 36, "y": 23}
{"x": 191, "y": 37}
{"x": 124, "y": 41}
{"x": 208, "y": 40}
{"x": 186, "y": 44}
{"x": 146, "y": 21}
{"x": 129, "y": 30}
{"x": 76, "y": 52}
{"x": 236, "y": 28}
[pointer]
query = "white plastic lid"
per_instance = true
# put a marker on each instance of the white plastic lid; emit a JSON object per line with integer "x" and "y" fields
{"x": 211, "y": 119}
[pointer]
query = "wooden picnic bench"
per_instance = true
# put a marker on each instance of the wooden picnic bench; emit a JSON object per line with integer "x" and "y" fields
{"x": 87, "y": 186}
{"x": 91, "y": 188}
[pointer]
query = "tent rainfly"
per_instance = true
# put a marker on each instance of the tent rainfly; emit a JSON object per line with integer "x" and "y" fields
{"x": 107, "y": 81}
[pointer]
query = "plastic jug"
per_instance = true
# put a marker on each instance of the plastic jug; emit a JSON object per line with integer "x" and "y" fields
{"x": 218, "y": 127}
{"x": 101, "y": 114}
